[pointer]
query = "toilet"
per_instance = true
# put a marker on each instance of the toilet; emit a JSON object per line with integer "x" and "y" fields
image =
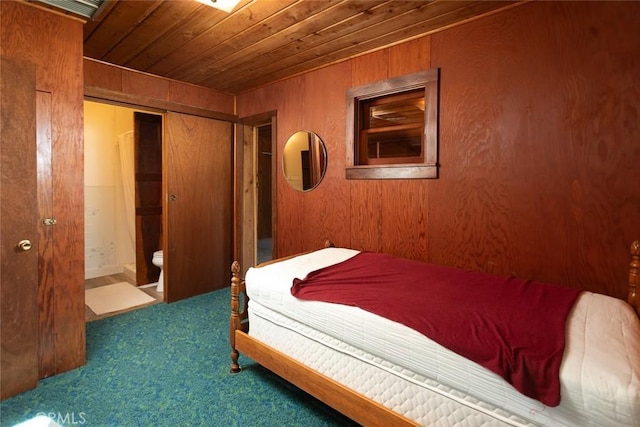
{"x": 157, "y": 261}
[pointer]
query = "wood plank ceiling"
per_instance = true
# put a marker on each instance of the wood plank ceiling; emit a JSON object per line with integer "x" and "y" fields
{"x": 261, "y": 41}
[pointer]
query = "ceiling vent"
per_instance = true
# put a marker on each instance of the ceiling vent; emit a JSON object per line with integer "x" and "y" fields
{"x": 85, "y": 8}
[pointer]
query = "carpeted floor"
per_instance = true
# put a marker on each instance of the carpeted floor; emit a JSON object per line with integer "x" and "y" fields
{"x": 167, "y": 365}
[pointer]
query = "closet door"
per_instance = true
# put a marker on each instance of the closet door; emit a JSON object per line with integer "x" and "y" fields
{"x": 198, "y": 205}
{"x": 18, "y": 229}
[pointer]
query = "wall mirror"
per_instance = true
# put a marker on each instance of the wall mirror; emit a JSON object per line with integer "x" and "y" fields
{"x": 304, "y": 160}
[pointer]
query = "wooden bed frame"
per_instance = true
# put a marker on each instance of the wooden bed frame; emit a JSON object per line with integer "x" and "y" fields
{"x": 359, "y": 408}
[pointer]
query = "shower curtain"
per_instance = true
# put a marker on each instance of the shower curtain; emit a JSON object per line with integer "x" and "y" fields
{"x": 125, "y": 148}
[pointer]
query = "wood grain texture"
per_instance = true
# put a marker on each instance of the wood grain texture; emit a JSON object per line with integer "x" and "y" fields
{"x": 102, "y": 75}
{"x": 410, "y": 57}
{"x": 61, "y": 61}
{"x": 53, "y": 43}
{"x": 18, "y": 268}
{"x": 247, "y": 198}
{"x": 197, "y": 172}
{"x": 160, "y": 17}
{"x": 119, "y": 22}
{"x": 394, "y": 22}
{"x": 406, "y": 224}
{"x": 190, "y": 25}
{"x": 290, "y": 202}
{"x": 309, "y": 104}
{"x": 366, "y": 196}
{"x": 371, "y": 30}
{"x": 261, "y": 41}
{"x": 144, "y": 85}
{"x": 366, "y": 217}
{"x": 46, "y": 291}
{"x": 326, "y": 211}
{"x": 404, "y": 218}
{"x": 133, "y": 87}
{"x": 297, "y": 37}
{"x": 255, "y": 208}
{"x": 198, "y": 96}
{"x": 222, "y": 46}
{"x": 538, "y": 152}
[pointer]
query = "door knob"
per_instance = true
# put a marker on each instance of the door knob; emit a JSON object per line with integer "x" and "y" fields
{"x": 24, "y": 245}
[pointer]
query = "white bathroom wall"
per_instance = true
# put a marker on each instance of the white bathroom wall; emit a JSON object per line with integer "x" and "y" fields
{"x": 125, "y": 244}
{"x": 107, "y": 242}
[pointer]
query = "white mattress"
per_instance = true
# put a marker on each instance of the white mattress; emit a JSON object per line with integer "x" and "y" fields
{"x": 600, "y": 374}
{"x": 419, "y": 399}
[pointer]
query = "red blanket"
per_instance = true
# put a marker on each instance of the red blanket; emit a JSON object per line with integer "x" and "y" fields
{"x": 515, "y": 328}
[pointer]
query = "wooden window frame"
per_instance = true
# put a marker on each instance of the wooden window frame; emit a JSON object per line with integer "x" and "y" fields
{"x": 429, "y": 81}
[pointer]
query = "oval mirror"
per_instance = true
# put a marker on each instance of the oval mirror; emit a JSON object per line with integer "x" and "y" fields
{"x": 304, "y": 160}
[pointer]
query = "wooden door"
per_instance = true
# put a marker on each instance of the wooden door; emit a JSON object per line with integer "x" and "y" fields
{"x": 255, "y": 187}
{"x": 18, "y": 219}
{"x": 148, "y": 194}
{"x": 197, "y": 223}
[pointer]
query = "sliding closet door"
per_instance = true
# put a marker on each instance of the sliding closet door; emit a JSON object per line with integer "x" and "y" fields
{"x": 198, "y": 192}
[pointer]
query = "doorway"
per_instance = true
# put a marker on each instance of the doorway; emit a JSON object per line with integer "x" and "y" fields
{"x": 256, "y": 239}
{"x": 123, "y": 202}
{"x": 264, "y": 222}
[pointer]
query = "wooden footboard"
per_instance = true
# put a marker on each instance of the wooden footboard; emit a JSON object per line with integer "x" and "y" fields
{"x": 359, "y": 408}
{"x": 239, "y": 314}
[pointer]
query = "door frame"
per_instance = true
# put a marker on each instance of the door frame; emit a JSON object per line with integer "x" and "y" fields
{"x": 152, "y": 105}
{"x": 138, "y": 252}
{"x": 245, "y": 188}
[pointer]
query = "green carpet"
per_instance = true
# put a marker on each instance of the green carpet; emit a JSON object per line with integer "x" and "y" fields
{"x": 168, "y": 365}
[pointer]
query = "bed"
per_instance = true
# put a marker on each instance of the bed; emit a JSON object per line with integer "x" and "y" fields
{"x": 382, "y": 372}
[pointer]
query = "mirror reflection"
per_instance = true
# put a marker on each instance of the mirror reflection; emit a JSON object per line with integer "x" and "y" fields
{"x": 304, "y": 160}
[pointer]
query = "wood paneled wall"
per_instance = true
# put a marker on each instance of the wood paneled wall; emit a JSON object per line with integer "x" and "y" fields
{"x": 53, "y": 43}
{"x": 542, "y": 180}
{"x": 539, "y": 152}
{"x": 139, "y": 88}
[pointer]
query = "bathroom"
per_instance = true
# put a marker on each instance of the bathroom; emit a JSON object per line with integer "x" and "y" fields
{"x": 110, "y": 202}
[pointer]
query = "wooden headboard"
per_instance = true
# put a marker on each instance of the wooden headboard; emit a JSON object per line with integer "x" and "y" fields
{"x": 634, "y": 276}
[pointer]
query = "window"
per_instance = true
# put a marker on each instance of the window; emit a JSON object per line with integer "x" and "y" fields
{"x": 392, "y": 128}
